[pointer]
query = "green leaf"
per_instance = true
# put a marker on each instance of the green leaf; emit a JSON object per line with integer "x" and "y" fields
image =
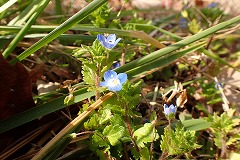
{"x": 88, "y": 75}
{"x": 145, "y": 134}
{"x": 114, "y": 133}
{"x": 98, "y": 140}
{"x": 194, "y": 26}
{"x": 92, "y": 123}
{"x": 145, "y": 155}
{"x": 196, "y": 124}
{"x": 179, "y": 141}
{"x": 184, "y": 13}
{"x": 105, "y": 116}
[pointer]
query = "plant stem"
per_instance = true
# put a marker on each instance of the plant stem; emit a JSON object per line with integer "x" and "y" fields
{"x": 224, "y": 148}
{"x": 163, "y": 156}
{"x": 128, "y": 123}
{"x": 125, "y": 154}
{"x": 130, "y": 130}
{"x": 97, "y": 82}
{"x": 123, "y": 57}
{"x": 153, "y": 137}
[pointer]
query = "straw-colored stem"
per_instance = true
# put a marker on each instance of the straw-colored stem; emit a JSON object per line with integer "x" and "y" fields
{"x": 71, "y": 126}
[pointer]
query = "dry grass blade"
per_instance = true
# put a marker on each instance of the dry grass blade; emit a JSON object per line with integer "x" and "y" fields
{"x": 48, "y": 147}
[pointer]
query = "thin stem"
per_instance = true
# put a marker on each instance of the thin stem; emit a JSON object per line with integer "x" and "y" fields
{"x": 128, "y": 123}
{"x": 163, "y": 156}
{"x": 97, "y": 82}
{"x": 130, "y": 129}
{"x": 153, "y": 137}
{"x": 107, "y": 57}
{"x": 123, "y": 57}
{"x": 224, "y": 148}
{"x": 125, "y": 154}
{"x": 169, "y": 123}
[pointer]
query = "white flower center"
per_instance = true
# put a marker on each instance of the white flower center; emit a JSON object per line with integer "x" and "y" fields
{"x": 110, "y": 41}
{"x": 115, "y": 81}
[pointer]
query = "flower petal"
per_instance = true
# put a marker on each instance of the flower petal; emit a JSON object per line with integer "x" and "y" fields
{"x": 104, "y": 84}
{"x": 109, "y": 75}
{"x": 101, "y": 38}
{"x": 173, "y": 109}
{"x": 165, "y": 106}
{"x": 104, "y": 42}
{"x": 115, "y": 88}
{"x": 116, "y": 42}
{"x": 122, "y": 77}
{"x": 115, "y": 65}
{"x": 111, "y": 38}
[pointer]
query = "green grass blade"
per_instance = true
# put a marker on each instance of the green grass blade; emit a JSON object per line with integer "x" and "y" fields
{"x": 129, "y": 33}
{"x": 196, "y": 124}
{"x": 217, "y": 58}
{"x": 24, "y": 30}
{"x": 25, "y": 14}
{"x": 206, "y": 52}
{"x": 79, "y": 16}
{"x": 58, "y": 10}
{"x": 152, "y": 66}
{"x": 179, "y": 44}
{"x": 7, "y": 5}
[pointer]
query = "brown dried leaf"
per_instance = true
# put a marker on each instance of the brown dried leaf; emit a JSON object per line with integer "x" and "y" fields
{"x": 181, "y": 98}
{"x": 15, "y": 97}
{"x": 16, "y": 89}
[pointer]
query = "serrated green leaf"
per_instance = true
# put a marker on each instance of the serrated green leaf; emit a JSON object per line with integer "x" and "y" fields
{"x": 179, "y": 141}
{"x": 88, "y": 75}
{"x": 144, "y": 134}
{"x": 145, "y": 155}
{"x": 106, "y": 114}
{"x": 135, "y": 153}
{"x": 91, "y": 123}
{"x": 98, "y": 140}
{"x": 114, "y": 133}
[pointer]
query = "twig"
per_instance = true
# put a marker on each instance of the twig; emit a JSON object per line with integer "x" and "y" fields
{"x": 153, "y": 103}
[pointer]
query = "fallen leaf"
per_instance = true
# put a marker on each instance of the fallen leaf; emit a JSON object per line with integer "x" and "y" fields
{"x": 15, "y": 97}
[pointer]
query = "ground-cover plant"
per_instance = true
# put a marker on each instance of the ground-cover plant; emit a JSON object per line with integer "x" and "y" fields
{"x": 125, "y": 94}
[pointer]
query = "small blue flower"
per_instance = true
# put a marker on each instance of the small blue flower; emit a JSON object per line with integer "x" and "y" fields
{"x": 183, "y": 23}
{"x": 169, "y": 109}
{"x": 213, "y": 5}
{"x": 108, "y": 42}
{"x": 115, "y": 65}
{"x": 113, "y": 81}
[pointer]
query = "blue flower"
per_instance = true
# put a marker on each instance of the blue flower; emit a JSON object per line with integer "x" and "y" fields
{"x": 183, "y": 23}
{"x": 169, "y": 109}
{"x": 212, "y": 5}
{"x": 113, "y": 81}
{"x": 115, "y": 65}
{"x": 108, "y": 42}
